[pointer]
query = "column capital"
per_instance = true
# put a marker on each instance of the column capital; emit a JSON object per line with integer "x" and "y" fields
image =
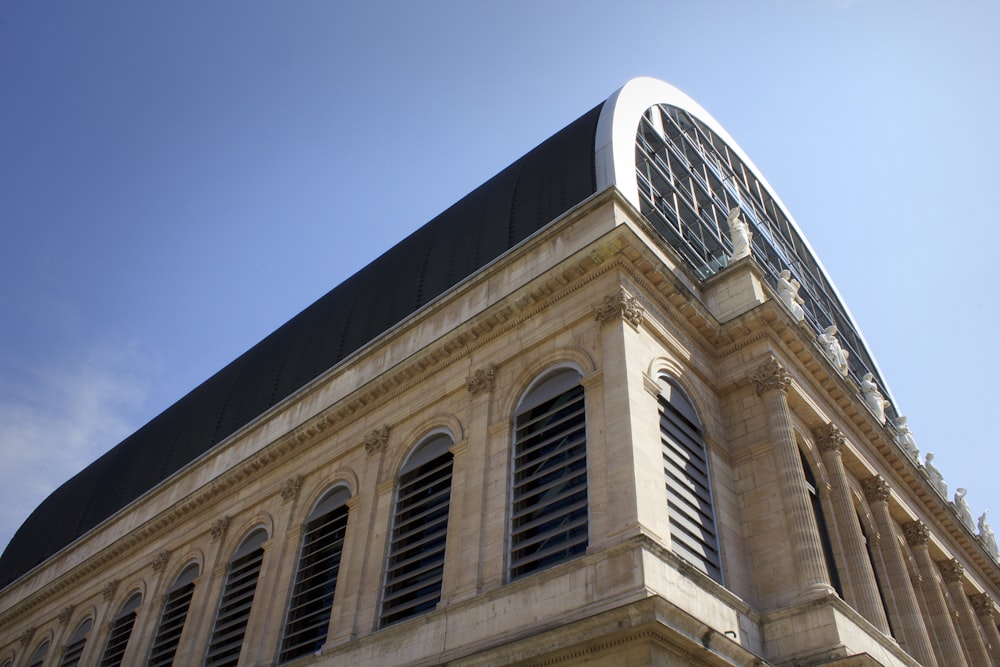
{"x": 160, "y": 562}
{"x": 983, "y": 605}
{"x": 951, "y": 571}
{"x": 771, "y": 376}
{"x": 916, "y": 533}
{"x": 290, "y": 488}
{"x": 376, "y": 440}
{"x": 876, "y": 489}
{"x": 66, "y": 614}
{"x": 829, "y": 438}
{"x": 620, "y": 305}
{"x": 483, "y": 380}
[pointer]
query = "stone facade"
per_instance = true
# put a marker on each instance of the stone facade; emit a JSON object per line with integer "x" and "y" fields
{"x": 862, "y": 565}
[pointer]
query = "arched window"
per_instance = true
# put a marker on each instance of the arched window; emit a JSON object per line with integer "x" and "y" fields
{"x": 824, "y": 534}
{"x": 175, "y": 610}
{"x": 237, "y": 599}
{"x": 74, "y": 648}
{"x": 549, "y": 514}
{"x": 415, "y": 567}
{"x": 38, "y": 657}
{"x": 309, "y": 610}
{"x": 693, "y": 535}
{"x": 121, "y": 630}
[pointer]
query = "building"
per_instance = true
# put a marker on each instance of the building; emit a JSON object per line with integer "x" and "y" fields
{"x": 584, "y": 416}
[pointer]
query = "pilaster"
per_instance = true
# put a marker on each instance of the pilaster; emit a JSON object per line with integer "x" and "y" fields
{"x": 859, "y": 578}
{"x": 771, "y": 382}
{"x": 902, "y": 597}
{"x": 985, "y": 611}
{"x": 948, "y": 647}
{"x": 968, "y": 627}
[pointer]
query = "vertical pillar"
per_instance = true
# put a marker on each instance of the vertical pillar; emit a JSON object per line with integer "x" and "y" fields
{"x": 771, "y": 382}
{"x": 634, "y": 496}
{"x": 968, "y": 628}
{"x": 859, "y": 578}
{"x": 205, "y": 600}
{"x": 985, "y": 611}
{"x": 902, "y": 597}
{"x": 461, "y": 551}
{"x": 949, "y": 648}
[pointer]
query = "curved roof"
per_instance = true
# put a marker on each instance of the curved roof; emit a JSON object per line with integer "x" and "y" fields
{"x": 517, "y": 202}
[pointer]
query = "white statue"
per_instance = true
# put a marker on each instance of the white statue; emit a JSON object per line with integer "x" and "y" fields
{"x": 788, "y": 293}
{"x": 739, "y": 234}
{"x": 935, "y": 476}
{"x": 873, "y": 397}
{"x": 988, "y": 538}
{"x": 964, "y": 511}
{"x": 904, "y": 438}
{"x": 832, "y": 349}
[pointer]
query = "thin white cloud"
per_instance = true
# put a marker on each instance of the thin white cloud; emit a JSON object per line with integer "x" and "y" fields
{"x": 61, "y": 419}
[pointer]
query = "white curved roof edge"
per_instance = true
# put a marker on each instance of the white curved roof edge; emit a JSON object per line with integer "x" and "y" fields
{"x": 614, "y": 161}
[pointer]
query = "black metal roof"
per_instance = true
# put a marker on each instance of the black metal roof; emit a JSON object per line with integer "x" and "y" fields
{"x": 505, "y": 210}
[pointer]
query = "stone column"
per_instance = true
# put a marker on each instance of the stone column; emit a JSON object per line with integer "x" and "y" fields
{"x": 985, "y": 610}
{"x": 771, "y": 382}
{"x": 859, "y": 578}
{"x": 909, "y": 622}
{"x": 949, "y": 648}
{"x": 968, "y": 628}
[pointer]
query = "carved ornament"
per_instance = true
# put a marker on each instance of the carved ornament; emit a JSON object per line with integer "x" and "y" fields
{"x": 66, "y": 614}
{"x": 829, "y": 438}
{"x": 160, "y": 561}
{"x": 25, "y": 637}
{"x": 876, "y": 489}
{"x": 109, "y": 589}
{"x": 290, "y": 488}
{"x": 771, "y": 376}
{"x": 951, "y": 571}
{"x": 916, "y": 534}
{"x": 620, "y": 306}
{"x": 482, "y": 380}
{"x": 376, "y": 440}
{"x": 219, "y": 528}
{"x": 983, "y": 605}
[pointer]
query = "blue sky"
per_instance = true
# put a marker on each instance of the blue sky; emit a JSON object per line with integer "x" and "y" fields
{"x": 177, "y": 179}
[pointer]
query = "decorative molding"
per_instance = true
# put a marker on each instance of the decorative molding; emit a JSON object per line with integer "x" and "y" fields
{"x": 483, "y": 380}
{"x": 290, "y": 488}
{"x": 620, "y": 306}
{"x": 66, "y": 614}
{"x": 376, "y": 440}
{"x": 829, "y": 438}
{"x": 876, "y": 489}
{"x": 983, "y": 605}
{"x": 219, "y": 528}
{"x": 109, "y": 589}
{"x": 25, "y": 637}
{"x": 916, "y": 533}
{"x": 951, "y": 571}
{"x": 771, "y": 376}
{"x": 160, "y": 562}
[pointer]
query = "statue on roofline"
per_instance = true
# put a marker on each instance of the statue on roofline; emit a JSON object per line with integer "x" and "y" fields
{"x": 904, "y": 438}
{"x": 934, "y": 476}
{"x": 788, "y": 294}
{"x": 873, "y": 397}
{"x": 964, "y": 511}
{"x": 834, "y": 352}
{"x": 739, "y": 234}
{"x": 987, "y": 536}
